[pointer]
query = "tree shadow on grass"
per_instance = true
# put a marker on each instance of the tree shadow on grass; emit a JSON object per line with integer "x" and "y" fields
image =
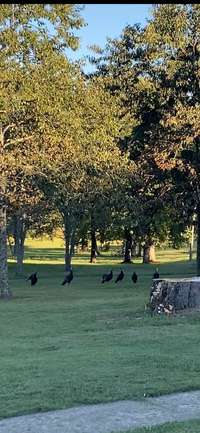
{"x": 82, "y": 267}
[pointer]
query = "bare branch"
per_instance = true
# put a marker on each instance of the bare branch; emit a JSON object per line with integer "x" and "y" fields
{"x": 18, "y": 140}
{"x": 12, "y": 125}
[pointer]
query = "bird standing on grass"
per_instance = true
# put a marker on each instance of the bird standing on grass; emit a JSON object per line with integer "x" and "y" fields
{"x": 68, "y": 278}
{"x": 120, "y": 276}
{"x": 134, "y": 277}
{"x": 33, "y": 278}
{"x": 156, "y": 274}
{"x": 107, "y": 277}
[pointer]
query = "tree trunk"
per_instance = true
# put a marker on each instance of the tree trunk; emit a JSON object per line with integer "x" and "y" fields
{"x": 4, "y": 290}
{"x": 191, "y": 244}
{"x": 11, "y": 247}
{"x": 198, "y": 239}
{"x": 93, "y": 253}
{"x": 20, "y": 235}
{"x": 20, "y": 259}
{"x": 69, "y": 235}
{"x": 139, "y": 253}
{"x": 128, "y": 246}
{"x": 178, "y": 294}
{"x": 149, "y": 252}
{"x": 133, "y": 249}
{"x": 84, "y": 244}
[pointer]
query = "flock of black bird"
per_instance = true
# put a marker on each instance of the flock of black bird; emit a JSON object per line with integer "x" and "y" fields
{"x": 109, "y": 277}
{"x": 105, "y": 278}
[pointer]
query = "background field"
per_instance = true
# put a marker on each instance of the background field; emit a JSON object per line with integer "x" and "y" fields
{"x": 89, "y": 343}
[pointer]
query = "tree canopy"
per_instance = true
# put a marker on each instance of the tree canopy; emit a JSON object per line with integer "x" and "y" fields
{"x": 122, "y": 142}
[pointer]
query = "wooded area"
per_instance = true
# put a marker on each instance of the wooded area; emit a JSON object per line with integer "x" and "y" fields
{"x": 114, "y": 154}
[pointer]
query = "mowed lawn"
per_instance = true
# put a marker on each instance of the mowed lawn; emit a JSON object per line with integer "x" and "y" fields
{"x": 192, "y": 426}
{"x": 91, "y": 342}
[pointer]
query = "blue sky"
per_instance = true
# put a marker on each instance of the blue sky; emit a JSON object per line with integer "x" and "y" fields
{"x": 107, "y": 20}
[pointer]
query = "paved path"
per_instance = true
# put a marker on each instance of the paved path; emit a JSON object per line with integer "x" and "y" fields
{"x": 110, "y": 417}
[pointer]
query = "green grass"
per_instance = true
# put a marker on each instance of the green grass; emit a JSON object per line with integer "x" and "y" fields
{"x": 91, "y": 343}
{"x": 192, "y": 426}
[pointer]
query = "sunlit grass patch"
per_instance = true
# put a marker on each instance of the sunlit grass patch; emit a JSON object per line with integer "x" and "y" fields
{"x": 91, "y": 342}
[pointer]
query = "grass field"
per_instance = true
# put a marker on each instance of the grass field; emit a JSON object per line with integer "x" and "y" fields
{"x": 175, "y": 427}
{"x": 89, "y": 343}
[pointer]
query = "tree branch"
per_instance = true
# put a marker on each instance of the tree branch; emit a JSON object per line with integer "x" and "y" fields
{"x": 18, "y": 140}
{"x": 12, "y": 125}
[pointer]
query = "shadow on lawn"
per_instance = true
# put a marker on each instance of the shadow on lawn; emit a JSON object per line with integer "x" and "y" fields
{"x": 178, "y": 268}
{"x": 44, "y": 253}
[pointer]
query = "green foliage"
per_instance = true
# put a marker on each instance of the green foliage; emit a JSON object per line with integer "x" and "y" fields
{"x": 123, "y": 141}
{"x": 28, "y": 57}
{"x": 155, "y": 72}
{"x": 30, "y": 31}
{"x": 175, "y": 30}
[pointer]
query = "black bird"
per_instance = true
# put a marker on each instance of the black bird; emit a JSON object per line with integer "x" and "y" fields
{"x": 120, "y": 276}
{"x": 33, "y": 278}
{"x": 156, "y": 274}
{"x": 134, "y": 277}
{"x": 107, "y": 277}
{"x": 68, "y": 278}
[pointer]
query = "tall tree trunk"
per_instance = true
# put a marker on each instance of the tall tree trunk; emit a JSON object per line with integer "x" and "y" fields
{"x": 20, "y": 235}
{"x": 20, "y": 259}
{"x": 84, "y": 239}
{"x": 5, "y": 292}
{"x": 133, "y": 249}
{"x": 139, "y": 252}
{"x": 149, "y": 252}
{"x": 11, "y": 247}
{"x": 128, "y": 246}
{"x": 93, "y": 253}
{"x": 198, "y": 239}
{"x": 84, "y": 244}
{"x": 4, "y": 289}
{"x": 191, "y": 244}
{"x": 69, "y": 235}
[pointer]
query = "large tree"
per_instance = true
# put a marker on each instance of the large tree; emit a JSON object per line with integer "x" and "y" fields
{"x": 126, "y": 64}
{"x": 26, "y": 43}
{"x": 174, "y": 33}
{"x": 156, "y": 72}
{"x": 80, "y": 161}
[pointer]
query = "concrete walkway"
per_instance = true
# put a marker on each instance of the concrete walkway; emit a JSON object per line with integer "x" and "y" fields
{"x": 110, "y": 417}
